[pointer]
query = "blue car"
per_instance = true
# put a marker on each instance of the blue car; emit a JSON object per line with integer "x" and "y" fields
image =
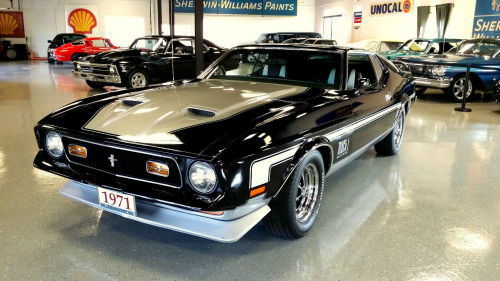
{"x": 447, "y": 71}
{"x": 421, "y": 46}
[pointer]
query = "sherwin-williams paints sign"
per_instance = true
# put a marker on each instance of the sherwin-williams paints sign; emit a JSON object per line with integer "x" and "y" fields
{"x": 391, "y": 7}
{"x": 241, "y": 7}
{"x": 487, "y": 19}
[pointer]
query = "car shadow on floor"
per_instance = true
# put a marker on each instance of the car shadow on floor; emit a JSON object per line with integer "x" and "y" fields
{"x": 349, "y": 201}
{"x": 436, "y": 96}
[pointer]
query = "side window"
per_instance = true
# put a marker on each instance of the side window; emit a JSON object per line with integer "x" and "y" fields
{"x": 360, "y": 70}
{"x": 182, "y": 46}
{"x": 378, "y": 67}
{"x": 100, "y": 43}
{"x": 434, "y": 49}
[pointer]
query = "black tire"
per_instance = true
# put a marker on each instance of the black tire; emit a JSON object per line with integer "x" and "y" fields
{"x": 283, "y": 220}
{"x": 77, "y": 56}
{"x": 420, "y": 90}
{"x": 453, "y": 91}
{"x": 137, "y": 79}
{"x": 50, "y": 60}
{"x": 391, "y": 143}
{"x": 11, "y": 54}
{"x": 94, "y": 84}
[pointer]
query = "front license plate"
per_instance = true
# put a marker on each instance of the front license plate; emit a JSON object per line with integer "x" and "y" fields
{"x": 116, "y": 201}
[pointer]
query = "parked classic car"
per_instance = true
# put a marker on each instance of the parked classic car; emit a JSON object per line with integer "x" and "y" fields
{"x": 377, "y": 46}
{"x": 255, "y": 133}
{"x": 320, "y": 41}
{"x": 447, "y": 71}
{"x": 420, "y": 46}
{"x": 12, "y": 51}
{"x": 148, "y": 61}
{"x": 279, "y": 37}
{"x": 294, "y": 40}
{"x": 81, "y": 48}
{"x": 59, "y": 40}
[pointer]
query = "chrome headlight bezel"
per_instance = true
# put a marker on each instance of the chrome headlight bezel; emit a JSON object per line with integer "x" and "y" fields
{"x": 202, "y": 177}
{"x": 438, "y": 70}
{"x": 54, "y": 145}
{"x": 78, "y": 67}
{"x": 112, "y": 70}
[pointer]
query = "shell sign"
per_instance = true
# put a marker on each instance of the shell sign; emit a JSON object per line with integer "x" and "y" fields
{"x": 82, "y": 21}
{"x": 11, "y": 24}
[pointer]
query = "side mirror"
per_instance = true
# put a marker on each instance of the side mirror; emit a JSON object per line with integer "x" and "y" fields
{"x": 363, "y": 82}
{"x": 49, "y": 41}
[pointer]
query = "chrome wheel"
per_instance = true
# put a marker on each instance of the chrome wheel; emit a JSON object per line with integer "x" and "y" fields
{"x": 459, "y": 88}
{"x": 307, "y": 193}
{"x": 399, "y": 129}
{"x": 138, "y": 80}
{"x": 11, "y": 54}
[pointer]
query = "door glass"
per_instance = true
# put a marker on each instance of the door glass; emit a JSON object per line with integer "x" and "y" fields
{"x": 377, "y": 66}
{"x": 359, "y": 66}
{"x": 182, "y": 47}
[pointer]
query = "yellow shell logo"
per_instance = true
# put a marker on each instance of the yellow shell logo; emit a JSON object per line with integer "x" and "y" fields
{"x": 82, "y": 21}
{"x": 7, "y": 24}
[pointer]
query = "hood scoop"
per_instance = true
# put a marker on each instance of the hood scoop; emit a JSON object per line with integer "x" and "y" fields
{"x": 201, "y": 112}
{"x": 131, "y": 102}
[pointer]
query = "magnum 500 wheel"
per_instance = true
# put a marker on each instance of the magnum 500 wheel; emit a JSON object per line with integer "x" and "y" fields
{"x": 391, "y": 144}
{"x": 296, "y": 208}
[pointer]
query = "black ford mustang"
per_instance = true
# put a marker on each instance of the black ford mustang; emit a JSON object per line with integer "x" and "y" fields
{"x": 251, "y": 138}
{"x": 149, "y": 60}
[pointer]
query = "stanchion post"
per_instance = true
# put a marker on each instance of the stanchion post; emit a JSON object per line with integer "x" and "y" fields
{"x": 466, "y": 90}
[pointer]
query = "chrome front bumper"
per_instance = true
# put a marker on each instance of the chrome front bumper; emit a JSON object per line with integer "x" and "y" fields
{"x": 227, "y": 228}
{"x": 115, "y": 79}
{"x": 433, "y": 82}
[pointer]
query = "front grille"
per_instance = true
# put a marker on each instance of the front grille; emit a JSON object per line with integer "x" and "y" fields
{"x": 95, "y": 69}
{"x": 124, "y": 163}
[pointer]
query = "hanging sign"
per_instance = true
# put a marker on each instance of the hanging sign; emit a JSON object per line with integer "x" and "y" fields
{"x": 11, "y": 24}
{"x": 486, "y": 19}
{"x": 241, "y": 7}
{"x": 392, "y": 7}
{"x": 358, "y": 16}
{"x": 81, "y": 19}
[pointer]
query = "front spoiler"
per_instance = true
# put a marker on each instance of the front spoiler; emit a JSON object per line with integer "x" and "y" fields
{"x": 173, "y": 218}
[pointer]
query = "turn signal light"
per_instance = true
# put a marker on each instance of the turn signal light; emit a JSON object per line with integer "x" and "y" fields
{"x": 77, "y": 150}
{"x": 157, "y": 168}
{"x": 257, "y": 191}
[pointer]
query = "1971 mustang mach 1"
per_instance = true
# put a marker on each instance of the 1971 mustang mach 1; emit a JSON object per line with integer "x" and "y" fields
{"x": 251, "y": 138}
{"x": 149, "y": 60}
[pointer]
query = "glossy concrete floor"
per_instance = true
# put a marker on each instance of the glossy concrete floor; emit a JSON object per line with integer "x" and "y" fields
{"x": 431, "y": 213}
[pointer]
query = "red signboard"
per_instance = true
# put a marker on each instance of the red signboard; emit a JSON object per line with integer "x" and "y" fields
{"x": 11, "y": 24}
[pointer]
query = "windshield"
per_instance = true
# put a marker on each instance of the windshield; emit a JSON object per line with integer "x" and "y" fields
{"x": 262, "y": 38}
{"x": 145, "y": 44}
{"x": 71, "y": 38}
{"x": 478, "y": 48}
{"x": 417, "y": 45}
{"x": 389, "y": 46}
{"x": 322, "y": 69}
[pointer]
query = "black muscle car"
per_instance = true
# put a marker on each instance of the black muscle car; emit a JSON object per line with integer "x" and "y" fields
{"x": 149, "y": 60}
{"x": 251, "y": 138}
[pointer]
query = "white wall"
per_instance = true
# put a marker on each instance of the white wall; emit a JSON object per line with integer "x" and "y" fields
{"x": 397, "y": 26}
{"x": 232, "y": 30}
{"x": 44, "y": 19}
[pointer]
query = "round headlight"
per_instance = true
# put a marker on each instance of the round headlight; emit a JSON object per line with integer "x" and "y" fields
{"x": 112, "y": 70}
{"x": 78, "y": 67}
{"x": 54, "y": 145}
{"x": 202, "y": 177}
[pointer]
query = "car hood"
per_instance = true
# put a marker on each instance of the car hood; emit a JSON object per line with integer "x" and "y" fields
{"x": 114, "y": 55}
{"x": 450, "y": 58}
{"x": 190, "y": 117}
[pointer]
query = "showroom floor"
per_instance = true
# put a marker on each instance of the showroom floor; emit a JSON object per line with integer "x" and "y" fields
{"x": 431, "y": 213}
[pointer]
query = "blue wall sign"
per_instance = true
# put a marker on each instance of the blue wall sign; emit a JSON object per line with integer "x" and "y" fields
{"x": 486, "y": 19}
{"x": 241, "y": 7}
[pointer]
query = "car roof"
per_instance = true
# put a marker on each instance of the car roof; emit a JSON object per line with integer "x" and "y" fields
{"x": 298, "y": 46}
{"x": 96, "y": 38}
{"x": 293, "y": 32}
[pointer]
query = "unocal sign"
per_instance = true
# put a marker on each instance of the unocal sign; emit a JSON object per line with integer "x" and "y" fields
{"x": 486, "y": 19}
{"x": 391, "y": 7}
{"x": 241, "y": 7}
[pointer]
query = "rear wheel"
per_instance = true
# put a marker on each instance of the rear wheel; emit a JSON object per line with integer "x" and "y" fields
{"x": 94, "y": 84}
{"x": 457, "y": 88}
{"x": 391, "y": 144}
{"x": 296, "y": 207}
{"x": 137, "y": 79}
{"x": 11, "y": 54}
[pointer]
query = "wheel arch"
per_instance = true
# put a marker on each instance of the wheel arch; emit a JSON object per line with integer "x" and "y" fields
{"x": 477, "y": 82}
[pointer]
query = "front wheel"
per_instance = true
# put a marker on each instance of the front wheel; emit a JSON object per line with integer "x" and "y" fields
{"x": 391, "y": 144}
{"x": 137, "y": 79}
{"x": 11, "y": 54}
{"x": 296, "y": 207}
{"x": 457, "y": 88}
{"x": 94, "y": 84}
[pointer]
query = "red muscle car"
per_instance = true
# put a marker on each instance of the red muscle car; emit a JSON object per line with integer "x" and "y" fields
{"x": 83, "y": 47}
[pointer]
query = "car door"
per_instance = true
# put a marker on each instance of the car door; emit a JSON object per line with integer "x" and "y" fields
{"x": 366, "y": 86}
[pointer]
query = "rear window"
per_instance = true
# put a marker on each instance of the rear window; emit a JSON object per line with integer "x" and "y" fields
{"x": 281, "y": 66}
